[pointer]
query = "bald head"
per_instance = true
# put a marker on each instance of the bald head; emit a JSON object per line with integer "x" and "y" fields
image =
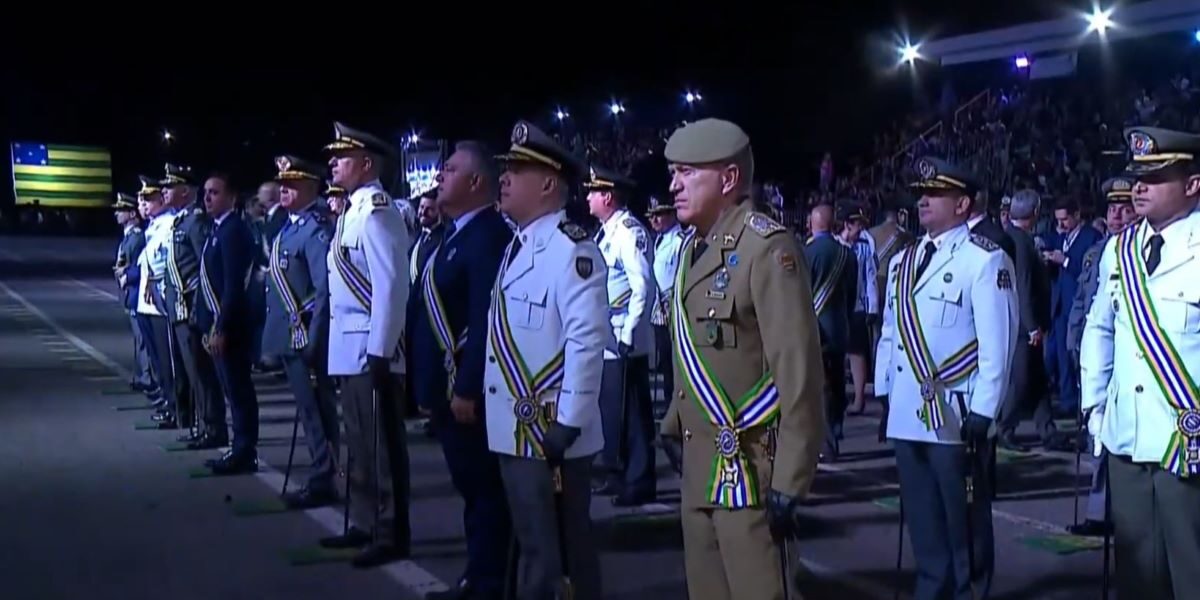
{"x": 821, "y": 218}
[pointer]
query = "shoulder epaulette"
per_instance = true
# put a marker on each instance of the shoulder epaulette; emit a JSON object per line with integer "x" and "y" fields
{"x": 762, "y": 224}
{"x": 380, "y": 199}
{"x": 573, "y": 231}
{"x": 631, "y": 223}
{"x": 984, "y": 243}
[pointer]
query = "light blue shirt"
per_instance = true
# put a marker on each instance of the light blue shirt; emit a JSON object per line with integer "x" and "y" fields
{"x": 864, "y": 251}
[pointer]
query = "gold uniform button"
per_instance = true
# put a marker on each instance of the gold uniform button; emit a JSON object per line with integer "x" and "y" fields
{"x": 1140, "y": 355}
{"x": 899, "y": 368}
{"x": 491, "y": 358}
{"x": 681, "y": 395}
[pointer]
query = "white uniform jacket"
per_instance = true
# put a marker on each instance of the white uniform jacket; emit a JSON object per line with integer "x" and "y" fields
{"x": 555, "y": 302}
{"x": 368, "y": 319}
{"x": 631, "y": 288}
{"x": 666, "y": 263}
{"x": 1116, "y": 380}
{"x": 964, "y": 296}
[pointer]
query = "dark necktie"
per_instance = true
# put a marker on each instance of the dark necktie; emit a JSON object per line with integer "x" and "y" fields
{"x": 599, "y": 235}
{"x": 1156, "y": 244}
{"x": 930, "y": 248}
{"x": 448, "y": 230}
{"x": 512, "y": 254}
{"x": 701, "y": 246}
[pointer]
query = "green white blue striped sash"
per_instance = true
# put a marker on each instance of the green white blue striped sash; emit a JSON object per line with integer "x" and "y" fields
{"x": 436, "y": 310}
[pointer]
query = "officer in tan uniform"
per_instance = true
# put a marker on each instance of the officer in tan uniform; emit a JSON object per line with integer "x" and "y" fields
{"x": 744, "y": 335}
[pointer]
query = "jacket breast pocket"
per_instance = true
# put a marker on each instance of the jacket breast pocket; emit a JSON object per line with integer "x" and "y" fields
{"x": 716, "y": 328}
{"x": 526, "y": 307}
{"x": 947, "y": 304}
{"x": 1179, "y": 310}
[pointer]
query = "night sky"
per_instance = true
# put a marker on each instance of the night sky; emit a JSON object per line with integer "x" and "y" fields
{"x": 800, "y": 80}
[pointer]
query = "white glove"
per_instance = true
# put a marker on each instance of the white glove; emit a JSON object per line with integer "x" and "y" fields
{"x": 1094, "y": 424}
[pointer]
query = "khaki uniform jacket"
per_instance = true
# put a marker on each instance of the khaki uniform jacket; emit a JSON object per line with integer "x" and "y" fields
{"x": 763, "y": 320}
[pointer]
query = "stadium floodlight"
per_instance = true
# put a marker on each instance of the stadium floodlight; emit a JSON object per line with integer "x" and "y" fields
{"x": 561, "y": 115}
{"x": 168, "y": 136}
{"x": 910, "y": 53}
{"x": 692, "y": 97}
{"x": 1197, "y": 36}
{"x": 1100, "y": 20}
{"x": 616, "y": 108}
{"x": 1022, "y": 62}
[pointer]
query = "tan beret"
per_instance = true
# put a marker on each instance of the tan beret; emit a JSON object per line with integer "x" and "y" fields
{"x": 706, "y": 141}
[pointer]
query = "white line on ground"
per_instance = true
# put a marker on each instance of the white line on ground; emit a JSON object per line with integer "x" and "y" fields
{"x": 407, "y": 573}
{"x": 91, "y": 288}
{"x": 1004, "y": 515}
{"x": 103, "y": 378}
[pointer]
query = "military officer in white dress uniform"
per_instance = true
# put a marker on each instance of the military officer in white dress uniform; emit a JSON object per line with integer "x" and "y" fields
{"x": 943, "y": 361}
{"x": 625, "y": 397}
{"x": 666, "y": 263}
{"x": 368, "y": 288}
{"x": 547, "y": 329}
{"x": 1140, "y": 363}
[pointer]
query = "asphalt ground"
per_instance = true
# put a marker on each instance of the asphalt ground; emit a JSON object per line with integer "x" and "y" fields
{"x": 93, "y": 508}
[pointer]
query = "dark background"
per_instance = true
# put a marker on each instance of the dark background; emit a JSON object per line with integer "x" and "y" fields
{"x": 801, "y": 80}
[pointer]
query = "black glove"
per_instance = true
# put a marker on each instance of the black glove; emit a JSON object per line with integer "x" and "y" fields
{"x": 673, "y": 448}
{"x": 782, "y": 515}
{"x": 975, "y": 428}
{"x": 623, "y": 349}
{"x": 883, "y": 419}
{"x": 380, "y": 370}
{"x": 557, "y": 439}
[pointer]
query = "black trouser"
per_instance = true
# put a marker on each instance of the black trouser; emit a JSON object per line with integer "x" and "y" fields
{"x": 201, "y": 378}
{"x": 171, "y": 377}
{"x": 933, "y": 493}
{"x": 318, "y": 414}
{"x": 1026, "y": 387}
{"x": 629, "y": 437}
{"x": 379, "y": 485}
{"x": 233, "y": 373}
{"x": 834, "y": 363}
{"x": 666, "y": 361}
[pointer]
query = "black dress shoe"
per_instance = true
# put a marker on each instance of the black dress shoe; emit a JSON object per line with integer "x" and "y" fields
{"x": 355, "y": 538}
{"x": 168, "y": 424}
{"x": 1090, "y": 528}
{"x": 376, "y": 555}
{"x": 306, "y": 498}
{"x": 236, "y": 464}
{"x": 161, "y": 416}
{"x": 207, "y": 443}
{"x": 189, "y": 437}
{"x": 212, "y": 461}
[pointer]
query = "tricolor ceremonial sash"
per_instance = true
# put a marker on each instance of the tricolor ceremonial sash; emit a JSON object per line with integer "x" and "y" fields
{"x": 291, "y": 301}
{"x": 209, "y": 292}
{"x": 733, "y": 482}
{"x": 825, "y": 288}
{"x": 436, "y": 310}
{"x": 1178, "y": 387}
{"x": 176, "y": 277}
{"x": 953, "y": 370}
{"x": 358, "y": 283}
{"x": 533, "y": 417}
{"x": 621, "y": 302}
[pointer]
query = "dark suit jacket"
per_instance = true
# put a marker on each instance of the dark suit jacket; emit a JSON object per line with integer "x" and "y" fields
{"x": 1033, "y": 284}
{"x": 228, "y": 255}
{"x": 990, "y": 230}
{"x": 823, "y": 253}
{"x": 127, "y": 257}
{"x": 464, "y": 272}
{"x": 1067, "y": 279}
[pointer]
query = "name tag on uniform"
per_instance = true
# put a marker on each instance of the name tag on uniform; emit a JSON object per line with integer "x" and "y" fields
{"x": 715, "y": 295}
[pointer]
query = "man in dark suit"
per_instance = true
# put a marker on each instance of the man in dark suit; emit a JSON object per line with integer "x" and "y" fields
{"x": 981, "y": 223}
{"x": 834, "y": 271}
{"x": 274, "y": 216}
{"x": 1065, "y": 255}
{"x": 448, "y": 318}
{"x": 223, "y": 316}
{"x": 1026, "y": 379}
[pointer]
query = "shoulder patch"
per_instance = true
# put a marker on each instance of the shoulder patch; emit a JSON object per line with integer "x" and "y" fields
{"x": 380, "y": 200}
{"x": 762, "y": 224}
{"x": 1003, "y": 280}
{"x": 631, "y": 223}
{"x": 573, "y": 231}
{"x": 984, "y": 243}
{"x": 583, "y": 267}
